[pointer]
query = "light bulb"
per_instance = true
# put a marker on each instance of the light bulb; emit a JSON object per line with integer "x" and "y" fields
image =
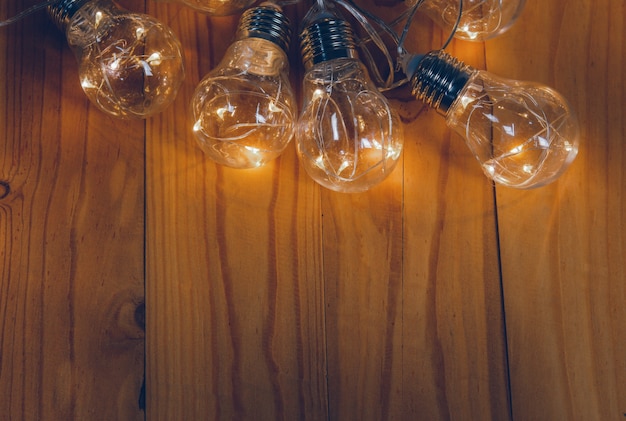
{"x": 218, "y": 7}
{"x": 243, "y": 112}
{"x": 348, "y": 138}
{"x": 523, "y": 134}
{"x": 130, "y": 65}
{"x": 480, "y": 19}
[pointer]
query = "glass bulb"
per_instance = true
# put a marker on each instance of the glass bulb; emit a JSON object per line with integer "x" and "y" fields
{"x": 523, "y": 134}
{"x": 218, "y": 7}
{"x": 348, "y": 137}
{"x": 244, "y": 110}
{"x": 130, "y": 65}
{"x": 480, "y": 19}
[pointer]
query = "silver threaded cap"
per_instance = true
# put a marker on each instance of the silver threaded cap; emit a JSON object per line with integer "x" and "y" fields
{"x": 265, "y": 22}
{"x": 62, "y": 11}
{"x": 327, "y": 39}
{"x": 438, "y": 80}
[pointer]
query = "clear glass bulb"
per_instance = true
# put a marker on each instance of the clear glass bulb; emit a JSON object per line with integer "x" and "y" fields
{"x": 523, "y": 134}
{"x": 244, "y": 110}
{"x": 348, "y": 138}
{"x": 130, "y": 65}
{"x": 218, "y": 7}
{"x": 480, "y": 19}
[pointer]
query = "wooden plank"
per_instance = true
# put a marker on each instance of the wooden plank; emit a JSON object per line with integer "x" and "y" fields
{"x": 362, "y": 277}
{"x": 358, "y": 335}
{"x": 563, "y": 246}
{"x": 362, "y": 243}
{"x": 71, "y": 238}
{"x": 455, "y": 359}
{"x": 235, "y": 305}
{"x": 272, "y": 298}
{"x": 455, "y": 363}
{"x": 413, "y": 316}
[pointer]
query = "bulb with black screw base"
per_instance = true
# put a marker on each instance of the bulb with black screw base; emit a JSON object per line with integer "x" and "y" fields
{"x": 523, "y": 134}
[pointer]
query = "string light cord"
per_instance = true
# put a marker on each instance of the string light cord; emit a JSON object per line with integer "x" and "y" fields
{"x": 455, "y": 27}
{"x": 367, "y": 20}
{"x": 412, "y": 11}
{"x": 27, "y": 12}
{"x": 409, "y": 20}
{"x": 373, "y": 26}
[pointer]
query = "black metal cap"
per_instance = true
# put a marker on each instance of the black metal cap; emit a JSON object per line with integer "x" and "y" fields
{"x": 437, "y": 78}
{"x": 327, "y": 39}
{"x": 266, "y": 22}
{"x": 62, "y": 11}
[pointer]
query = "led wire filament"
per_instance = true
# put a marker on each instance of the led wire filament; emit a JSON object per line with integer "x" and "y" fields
{"x": 523, "y": 134}
{"x": 243, "y": 112}
{"x": 349, "y": 139}
{"x": 130, "y": 65}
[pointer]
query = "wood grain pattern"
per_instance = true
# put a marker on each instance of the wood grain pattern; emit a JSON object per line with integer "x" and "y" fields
{"x": 231, "y": 253}
{"x": 455, "y": 321}
{"x": 563, "y": 246}
{"x": 434, "y": 296}
{"x": 71, "y": 248}
{"x": 244, "y": 247}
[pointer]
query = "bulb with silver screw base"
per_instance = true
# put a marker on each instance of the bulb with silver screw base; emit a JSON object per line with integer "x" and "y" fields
{"x": 243, "y": 112}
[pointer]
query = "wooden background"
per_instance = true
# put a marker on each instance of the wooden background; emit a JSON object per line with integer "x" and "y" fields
{"x": 126, "y": 255}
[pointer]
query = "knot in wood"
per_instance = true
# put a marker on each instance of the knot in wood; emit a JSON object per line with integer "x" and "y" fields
{"x": 5, "y": 189}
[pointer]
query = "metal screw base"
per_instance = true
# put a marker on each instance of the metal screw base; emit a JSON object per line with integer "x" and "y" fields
{"x": 62, "y": 12}
{"x": 439, "y": 79}
{"x": 265, "y": 22}
{"x": 327, "y": 39}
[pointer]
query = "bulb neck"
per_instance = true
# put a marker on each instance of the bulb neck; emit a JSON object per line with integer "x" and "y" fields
{"x": 327, "y": 39}
{"x": 266, "y": 22}
{"x": 61, "y": 12}
{"x": 437, "y": 79}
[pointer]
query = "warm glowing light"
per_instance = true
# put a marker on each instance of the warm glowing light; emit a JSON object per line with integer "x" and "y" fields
{"x": 120, "y": 71}
{"x": 523, "y": 134}
{"x": 115, "y": 64}
{"x": 346, "y": 126}
{"x": 244, "y": 109}
{"x": 469, "y": 34}
{"x": 218, "y": 7}
{"x": 222, "y": 111}
{"x": 489, "y": 169}
{"x": 273, "y": 108}
{"x": 155, "y": 58}
{"x": 480, "y": 19}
